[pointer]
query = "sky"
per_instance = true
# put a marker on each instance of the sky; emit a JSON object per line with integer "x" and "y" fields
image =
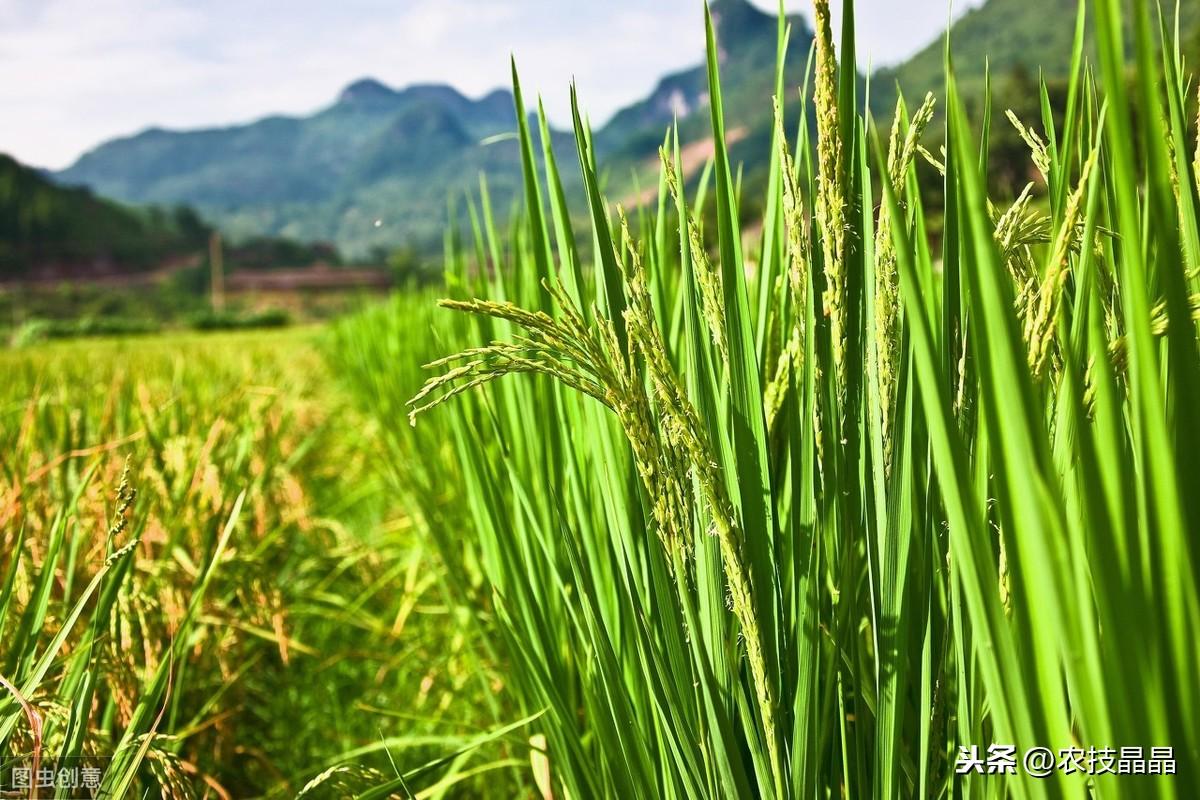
{"x": 74, "y": 73}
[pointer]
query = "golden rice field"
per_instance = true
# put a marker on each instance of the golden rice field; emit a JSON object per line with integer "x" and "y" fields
{"x": 273, "y": 573}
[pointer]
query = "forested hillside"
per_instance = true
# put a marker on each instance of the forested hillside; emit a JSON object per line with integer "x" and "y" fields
{"x": 70, "y": 231}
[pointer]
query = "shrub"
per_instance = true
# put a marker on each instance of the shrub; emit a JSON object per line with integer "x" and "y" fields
{"x": 209, "y": 320}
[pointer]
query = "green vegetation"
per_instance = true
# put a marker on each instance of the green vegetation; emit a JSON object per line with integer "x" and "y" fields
{"x": 38, "y": 329}
{"x": 73, "y": 232}
{"x": 73, "y": 264}
{"x": 225, "y": 320}
{"x": 689, "y": 508}
{"x": 1011, "y": 37}
{"x": 255, "y": 578}
{"x": 111, "y": 292}
{"x": 807, "y": 529}
{"x": 31, "y": 313}
{"x": 1002, "y": 36}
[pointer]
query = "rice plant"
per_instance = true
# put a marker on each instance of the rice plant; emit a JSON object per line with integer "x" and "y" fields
{"x": 817, "y": 513}
{"x": 206, "y": 589}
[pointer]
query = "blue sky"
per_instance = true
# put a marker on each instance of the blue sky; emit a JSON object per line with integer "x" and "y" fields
{"x": 76, "y": 72}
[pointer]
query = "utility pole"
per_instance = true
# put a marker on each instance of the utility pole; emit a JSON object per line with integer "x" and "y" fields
{"x": 217, "y": 269}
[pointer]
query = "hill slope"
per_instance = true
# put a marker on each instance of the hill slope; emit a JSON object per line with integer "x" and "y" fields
{"x": 1009, "y": 36}
{"x": 72, "y": 232}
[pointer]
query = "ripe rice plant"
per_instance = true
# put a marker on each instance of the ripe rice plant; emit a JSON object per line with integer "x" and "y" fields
{"x": 808, "y": 523}
{"x": 258, "y": 621}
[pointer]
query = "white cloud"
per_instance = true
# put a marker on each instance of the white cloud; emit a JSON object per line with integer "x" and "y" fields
{"x": 76, "y": 72}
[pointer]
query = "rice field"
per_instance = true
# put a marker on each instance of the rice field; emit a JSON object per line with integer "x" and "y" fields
{"x": 829, "y": 514}
{"x": 679, "y": 505}
{"x": 209, "y": 588}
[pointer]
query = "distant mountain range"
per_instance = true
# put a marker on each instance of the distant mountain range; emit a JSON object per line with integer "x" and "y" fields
{"x": 375, "y": 168}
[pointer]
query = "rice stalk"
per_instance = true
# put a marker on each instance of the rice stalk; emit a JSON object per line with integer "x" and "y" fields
{"x": 1196, "y": 157}
{"x": 831, "y": 195}
{"x": 712, "y": 295}
{"x": 668, "y": 449}
{"x": 902, "y": 150}
{"x": 1042, "y": 318}
{"x": 710, "y": 602}
{"x": 1037, "y": 147}
{"x": 799, "y": 249}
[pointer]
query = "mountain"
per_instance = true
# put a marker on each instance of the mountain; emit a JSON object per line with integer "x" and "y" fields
{"x": 46, "y": 230}
{"x": 376, "y": 167}
{"x": 746, "y": 38}
{"x": 747, "y": 42}
{"x": 1009, "y": 37}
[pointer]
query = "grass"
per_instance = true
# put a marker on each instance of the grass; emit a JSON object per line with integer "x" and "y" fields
{"x": 805, "y": 516}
